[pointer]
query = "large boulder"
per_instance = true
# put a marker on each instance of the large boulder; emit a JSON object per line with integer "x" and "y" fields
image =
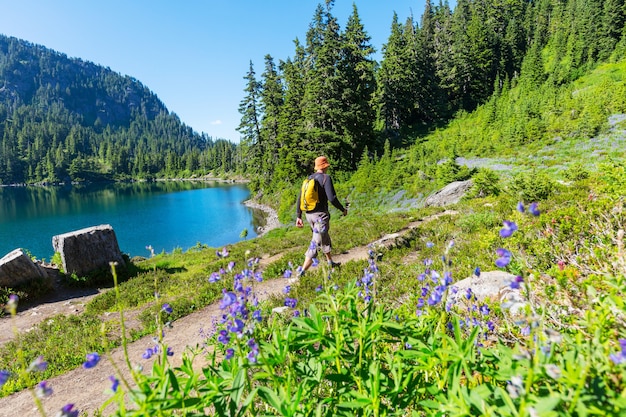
{"x": 88, "y": 250}
{"x": 491, "y": 285}
{"x": 450, "y": 194}
{"x": 16, "y": 268}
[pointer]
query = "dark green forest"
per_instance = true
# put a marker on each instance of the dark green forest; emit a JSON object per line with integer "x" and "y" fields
{"x": 64, "y": 118}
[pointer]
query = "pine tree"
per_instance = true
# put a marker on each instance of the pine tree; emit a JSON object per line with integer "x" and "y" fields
{"x": 250, "y": 127}
{"x": 358, "y": 86}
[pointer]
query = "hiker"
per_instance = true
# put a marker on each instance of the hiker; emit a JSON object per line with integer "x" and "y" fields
{"x": 318, "y": 216}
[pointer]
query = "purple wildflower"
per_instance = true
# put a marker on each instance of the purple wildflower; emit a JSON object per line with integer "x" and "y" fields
{"x": 237, "y": 326}
{"x": 38, "y": 364}
{"x": 167, "y": 308}
{"x": 508, "y": 229}
{"x": 231, "y": 266}
{"x": 92, "y": 360}
{"x": 484, "y": 310}
{"x": 287, "y": 273}
{"x": 148, "y": 353}
{"x": 169, "y": 351}
{"x": 620, "y": 357}
{"x": 516, "y": 282}
{"x": 228, "y": 299}
{"x": 222, "y": 254}
{"x": 4, "y": 377}
{"x": 477, "y": 271}
{"x": 68, "y": 411}
{"x": 504, "y": 257}
{"x": 214, "y": 277}
{"x": 254, "y": 351}
{"x": 230, "y": 353}
{"x": 291, "y": 302}
{"x": 520, "y": 207}
{"x": 114, "y": 383}
{"x": 429, "y": 244}
{"x": 287, "y": 289}
{"x": 42, "y": 390}
{"x": 318, "y": 288}
{"x": 468, "y": 293}
{"x": 532, "y": 209}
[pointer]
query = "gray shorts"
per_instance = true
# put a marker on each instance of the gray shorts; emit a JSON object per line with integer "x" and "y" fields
{"x": 320, "y": 224}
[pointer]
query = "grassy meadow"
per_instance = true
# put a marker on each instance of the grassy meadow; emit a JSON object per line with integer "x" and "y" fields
{"x": 379, "y": 337}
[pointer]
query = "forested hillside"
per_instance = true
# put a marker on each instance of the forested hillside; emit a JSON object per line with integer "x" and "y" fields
{"x": 66, "y": 119}
{"x": 516, "y": 60}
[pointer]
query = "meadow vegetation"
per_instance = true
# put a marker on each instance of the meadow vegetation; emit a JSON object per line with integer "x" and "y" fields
{"x": 380, "y": 337}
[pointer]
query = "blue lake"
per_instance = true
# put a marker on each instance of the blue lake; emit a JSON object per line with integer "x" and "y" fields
{"x": 165, "y": 215}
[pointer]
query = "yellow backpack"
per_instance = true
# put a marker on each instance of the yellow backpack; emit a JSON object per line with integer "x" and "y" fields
{"x": 308, "y": 194}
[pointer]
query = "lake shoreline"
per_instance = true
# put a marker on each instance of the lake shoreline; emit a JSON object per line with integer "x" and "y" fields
{"x": 270, "y": 217}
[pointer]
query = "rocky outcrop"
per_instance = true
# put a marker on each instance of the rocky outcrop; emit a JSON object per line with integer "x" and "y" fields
{"x": 450, "y": 194}
{"x": 490, "y": 285}
{"x": 87, "y": 250}
{"x": 16, "y": 268}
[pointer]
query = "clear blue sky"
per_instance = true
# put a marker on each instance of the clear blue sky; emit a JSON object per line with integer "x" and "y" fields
{"x": 193, "y": 54}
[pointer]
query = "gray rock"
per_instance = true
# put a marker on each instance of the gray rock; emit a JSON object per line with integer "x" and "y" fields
{"x": 88, "y": 250}
{"x": 492, "y": 285}
{"x": 16, "y": 268}
{"x": 450, "y": 194}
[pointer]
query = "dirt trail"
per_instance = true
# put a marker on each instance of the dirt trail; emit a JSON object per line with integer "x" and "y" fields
{"x": 88, "y": 388}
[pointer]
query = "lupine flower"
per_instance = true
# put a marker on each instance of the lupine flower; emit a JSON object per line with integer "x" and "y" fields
{"x": 407, "y": 345}
{"x": 516, "y": 282}
{"x": 230, "y": 353}
{"x": 42, "y": 390}
{"x": 166, "y": 308}
{"x": 114, "y": 383}
{"x": 508, "y": 229}
{"x": 38, "y": 364}
{"x": 287, "y": 273}
{"x": 254, "y": 351}
{"x": 477, "y": 271}
{"x": 468, "y": 293}
{"x": 231, "y": 266}
{"x": 291, "y": 302}
{"x": 520, "y": 207}
{"x": 237, "y": 326}
{"x": 620, "y": 357}
{"x": 484, "y": 310}
{"x": 4, "y": 377}
{"x": 148, "y": 353}
{"x": 318, "y": 288}
{"x": 429, "y": 244}
{"x": 214, "y": 277}
{"x": 222, "y": 254}
{"x": 287, "y": 289}
{"x": 169, "y": 351}
{"x": 504, "y": 257}
{"x": 223, "y": 338}
{"x": 228, "y": 299}
{"x": 68, "y": 411}
{"x": 92, "y": 360}
{"x": 532, "y": 209}
{"x": 296, "y": 313}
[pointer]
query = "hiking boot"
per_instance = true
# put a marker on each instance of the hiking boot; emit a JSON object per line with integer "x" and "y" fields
{"x": 333, "y": 264}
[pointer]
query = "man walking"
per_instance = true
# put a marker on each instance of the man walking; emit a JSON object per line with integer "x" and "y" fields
{"x": 319, "y": 217}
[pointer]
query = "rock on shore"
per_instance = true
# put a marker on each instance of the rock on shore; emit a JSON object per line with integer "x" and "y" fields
{"x": 271, "y": 216}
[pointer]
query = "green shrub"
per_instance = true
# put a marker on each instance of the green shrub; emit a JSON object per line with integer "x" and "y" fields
{"x": 532, "y": 186}
{"x": 485, "y": 183}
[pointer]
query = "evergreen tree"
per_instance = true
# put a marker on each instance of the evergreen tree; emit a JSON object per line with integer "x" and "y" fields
{"x": 250, "y": 125}
{"x": 358, "y": 86}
